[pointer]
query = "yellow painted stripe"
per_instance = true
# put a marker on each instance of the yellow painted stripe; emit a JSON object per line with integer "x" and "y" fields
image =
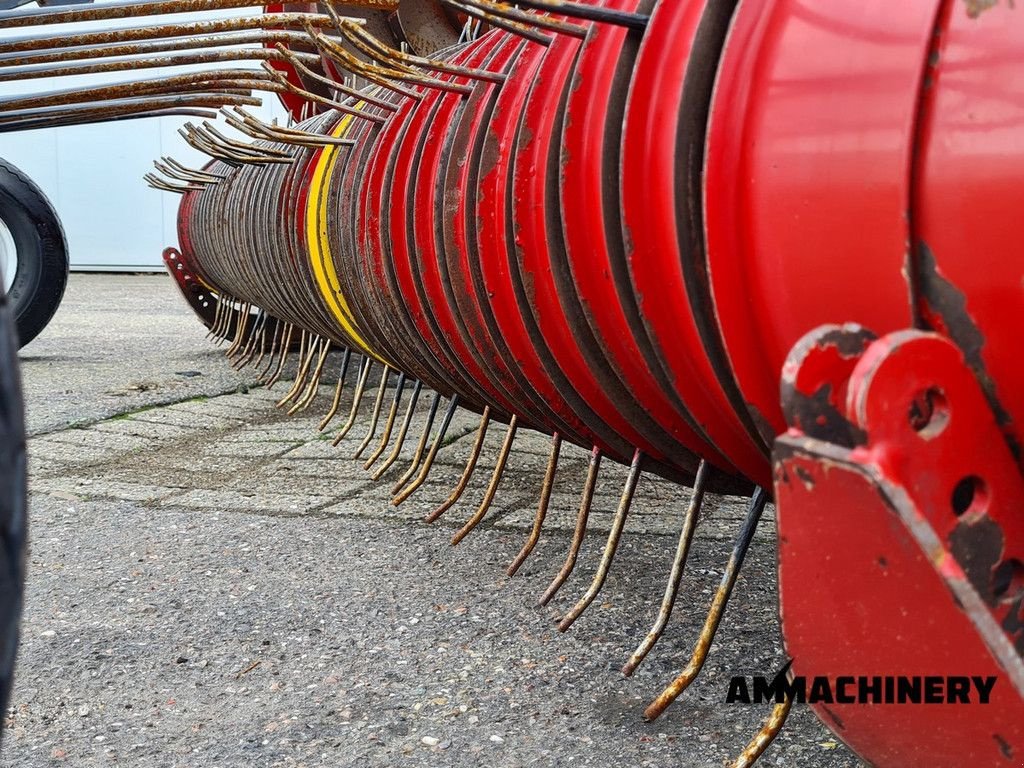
{"x": 320, "y": 256}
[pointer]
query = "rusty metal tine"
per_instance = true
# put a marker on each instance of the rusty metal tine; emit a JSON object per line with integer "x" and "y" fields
{"x": 509, "y": 26}
{"x": 492, "y": 486}
{"x": 402, "y": 432}
{"x": 102, "y": 36}
{"x": 250, "y": 342}
{"x": 389, "y": 425}
{"x": 216, "y": 318}
{"x": 350, "y": 63}
{"x": 581, "y": 528}
{"x": 285, "y": 349}
{"x": 208, "y": 129}
{"x": 765, "y": 736}
{"x": 223, "y": 309}
{"x": 373, "y": 46}
{"x": 339, "y": 87}
{"x": 274, "y": 339}
{"x": 306, "y": 346}
{"x": 471, "y": 461}
{"x": 314, "y": 380}
{"x": 357, "y": 397}
{"x": 157, "y": 183}
{"x": 378, "y": 403}
{"x": 337, "y": 391}
{"x": 116, "y": 10}
{"x": 531, "y": 19}
{"x": 588, "y": 12}
{"x": 115, "y": 46}
{"x": 614, "y": 536}
{"x": 240, "y": 328}
{"x": 676, "y": 574}
{"x": 717, "y": 610}
{"x": 420, "y": 447}
{"x": 310, "y": 96}
{"x": 198, "y": 174}
{"x": 261, "y": 341}
{"x": 542, "y": 506}
{"x": 159, "y": 61}
{"x": 434, "y": 448}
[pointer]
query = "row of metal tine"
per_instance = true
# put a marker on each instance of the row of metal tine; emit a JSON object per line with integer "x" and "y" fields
{"x": 254, "y": 338}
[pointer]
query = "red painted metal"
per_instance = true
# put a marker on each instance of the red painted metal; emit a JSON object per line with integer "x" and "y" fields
{"x": 869, "y": 485}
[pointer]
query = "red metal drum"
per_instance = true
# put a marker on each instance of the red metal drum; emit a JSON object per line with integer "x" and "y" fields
{"x": 810, "y": 141}
{"x": 968, "y": 264}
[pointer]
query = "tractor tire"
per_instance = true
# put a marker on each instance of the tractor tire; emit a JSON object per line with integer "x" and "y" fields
{"x": 33, "y": 253}
{"x": 13, "y": 489}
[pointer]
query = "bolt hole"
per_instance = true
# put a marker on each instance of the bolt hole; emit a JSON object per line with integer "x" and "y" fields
{"x": 969, "y": 495}
{"x": 1008, "y": 580}
{"x": 929, "y": 413}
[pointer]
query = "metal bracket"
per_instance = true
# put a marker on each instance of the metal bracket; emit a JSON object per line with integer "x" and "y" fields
{"x": 901, "y": 541}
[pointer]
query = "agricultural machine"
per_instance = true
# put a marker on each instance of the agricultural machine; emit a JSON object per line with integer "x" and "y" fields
{"x": 760, "y": 247}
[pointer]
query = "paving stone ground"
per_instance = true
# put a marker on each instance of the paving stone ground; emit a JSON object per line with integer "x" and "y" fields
{"x": 212, "y": 583}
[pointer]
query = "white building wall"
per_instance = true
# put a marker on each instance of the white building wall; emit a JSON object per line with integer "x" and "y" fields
{"x": 93, "y": 173}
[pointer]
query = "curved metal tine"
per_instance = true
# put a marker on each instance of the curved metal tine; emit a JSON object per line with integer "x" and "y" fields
{"x": 372, "y": 46}
{"x": 715, "y": 613}
{"x": 250, "y": 344}
{"x": 305, "y": 357}
{"x": 514, "y": 14}
{"x": 285, "y": 349}
{"x": 542, "y": 506}
{"x": 337, "y": 86}
{"x": 357, "y": 397}
{"x": 614, "y": 536}
{"x": 232, "y": 317}
{"x": 676, "y": 574}
{"x": 496, "y": 21}
{"x": 337, "y": 391}
{"x": 310, "y": 96}
{"x": 211, "y": 146}
{"x": 314, "y": 381}
{"x": 274, "y": 340}
{"x": 402, "y": 432}
{"x": 224, "y": 309}
{"x": 378, "y": 403}
{"x": 185, "y": 169}
{"x": 420, "y": 447}
{"x": 765, "y": 736}
{"x": 157, "y": 183}
{"x": 241, "y": 146}
{"x": 434, "y": 448}
{"x": 174, "y": 173}
{"x": 389, "y": 425}
{"x": 261, "y": 343}
{"x": 350, "y": 63}
{"x": 581, "y": 528}
{"x": 216, "y": 318}
{"x": 589, "y": 12}
{"x": 492, "y": 486}
{"x": 240, "y": 328}
{"x": 259, "y": 130}
{"x": 471, "y": 461}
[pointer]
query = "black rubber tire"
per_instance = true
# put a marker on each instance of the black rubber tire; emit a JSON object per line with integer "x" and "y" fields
{"x": 13, "y": 489}
{"x": 42, "y": 251}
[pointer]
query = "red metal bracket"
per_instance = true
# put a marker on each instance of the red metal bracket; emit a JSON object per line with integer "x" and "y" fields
{"x": 901, "y": 542}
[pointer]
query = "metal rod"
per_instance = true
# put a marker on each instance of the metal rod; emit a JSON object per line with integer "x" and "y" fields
{"x": 581, "y": 528}
{"x": 337, "y": 391}
{"x": 715, "y": 613}
{"x": 420, "y": 447}
{"x": 614, "y": 536}
{"x": 402, "y": 432}
{"x": 314, "y": 381}
{"x": 492, "y": 486}
{"x": 357, "y": 396}
{"x": 765, "y": 736}
{"x": 434, "y": 448}
{"x": 389, "y": 425}
{"x": 375, "y": 413}
{"x": 542, "y": 506}
{"x": 471, "y": 461}
{"x": 676, "y": 574}
{"x": 588, "y": 12}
